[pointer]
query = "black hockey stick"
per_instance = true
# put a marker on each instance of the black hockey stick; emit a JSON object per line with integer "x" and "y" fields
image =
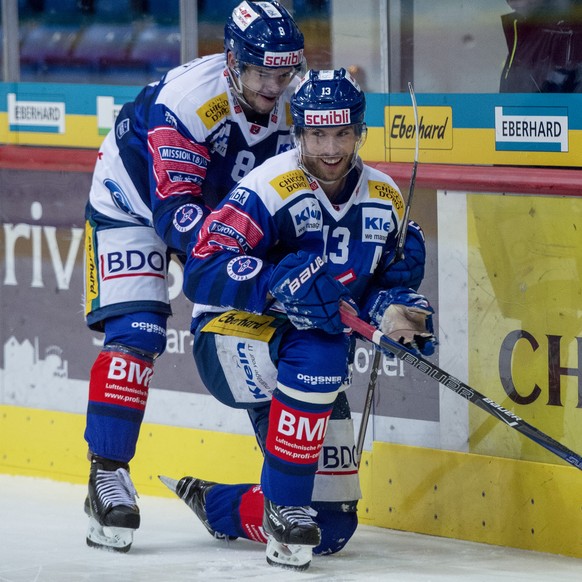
{"x": 402, "y": 234}
{"x": 398, "y": 255}
{"x": 413, "y": 358}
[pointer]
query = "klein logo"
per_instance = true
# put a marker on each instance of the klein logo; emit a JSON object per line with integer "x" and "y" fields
{"x": 245, "y": 364}
{"x": 376, "y": 224}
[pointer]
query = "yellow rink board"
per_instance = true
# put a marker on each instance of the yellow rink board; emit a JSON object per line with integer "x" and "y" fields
{"x": 458, "y": 495}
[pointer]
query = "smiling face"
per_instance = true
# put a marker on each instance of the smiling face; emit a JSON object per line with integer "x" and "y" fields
{"x": 328, "y": 152}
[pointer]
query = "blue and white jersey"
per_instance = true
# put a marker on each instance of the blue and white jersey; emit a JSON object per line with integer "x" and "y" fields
{"x": 279, "y": 209}
{"x": 179, "y": 147}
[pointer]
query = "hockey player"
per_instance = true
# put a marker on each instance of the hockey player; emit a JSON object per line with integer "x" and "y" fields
{"x": 306, "y": 230}
{"x": 173, "y": 154}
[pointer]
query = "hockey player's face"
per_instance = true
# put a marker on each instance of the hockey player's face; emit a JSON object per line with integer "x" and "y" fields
{"x": 328, "y": 152}
{"x": 262, "y": 87}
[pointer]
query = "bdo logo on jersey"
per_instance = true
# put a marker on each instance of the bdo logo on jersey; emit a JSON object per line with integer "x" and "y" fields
{"x": 132, "y": 262}
{"x": 244, "y": 267}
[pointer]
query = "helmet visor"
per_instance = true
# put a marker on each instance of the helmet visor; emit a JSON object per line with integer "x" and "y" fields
{"x": 266, "y": 81}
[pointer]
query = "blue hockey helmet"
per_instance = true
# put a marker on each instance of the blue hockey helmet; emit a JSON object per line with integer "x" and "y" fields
{"x": 265, "y": 35}
{"x": 328, "y": 98}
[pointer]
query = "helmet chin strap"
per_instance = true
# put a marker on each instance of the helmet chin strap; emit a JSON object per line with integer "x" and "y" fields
{"x": 237, "y": 86}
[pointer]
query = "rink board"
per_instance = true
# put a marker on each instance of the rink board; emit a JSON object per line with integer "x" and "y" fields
{"x": 466, "y": 496}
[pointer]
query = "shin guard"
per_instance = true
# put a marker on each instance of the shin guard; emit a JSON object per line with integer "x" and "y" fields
{"x": 294, "y": 442}
{"x": 118, "y": 391}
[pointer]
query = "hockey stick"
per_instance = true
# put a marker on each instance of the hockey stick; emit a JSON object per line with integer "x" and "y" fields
{"x": 431, "y": 370}
{"x": 398, "y": 254}
{"x": 402, "y": 234}
{"x": 368, "y": 405}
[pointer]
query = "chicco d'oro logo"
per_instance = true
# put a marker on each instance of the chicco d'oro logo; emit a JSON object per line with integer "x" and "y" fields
{"x": 243, "y": 268}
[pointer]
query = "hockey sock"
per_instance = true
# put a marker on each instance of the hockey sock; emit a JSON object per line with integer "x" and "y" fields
{"x": 118, "y": 391}
{"x": 294, "y": 441}
{"x": 236, "y": 510}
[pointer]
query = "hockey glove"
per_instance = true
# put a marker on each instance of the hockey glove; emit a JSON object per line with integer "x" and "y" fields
{"x": 405, "y": 316}
{"x": 309, "y": 294}
{"x": 409, "y": 270}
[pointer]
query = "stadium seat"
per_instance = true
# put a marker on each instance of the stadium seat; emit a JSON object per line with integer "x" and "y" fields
{"x": 156, "y": 48}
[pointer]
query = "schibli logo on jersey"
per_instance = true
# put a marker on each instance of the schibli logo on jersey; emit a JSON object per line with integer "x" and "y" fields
{"x": 129, "y": 263}
{"x": 327, "y": 117}
{"x": 288, "y": 59}
{"x": 254, "y": 129}
{"x": 274, "y": 119}
{"x": 305, "y": 275}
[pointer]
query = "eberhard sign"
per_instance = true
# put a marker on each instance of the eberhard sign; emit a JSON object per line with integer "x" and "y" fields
{"x": 435, "y": 127}
{"x": 38, "y": 116}
{"x": 538, "y": 129}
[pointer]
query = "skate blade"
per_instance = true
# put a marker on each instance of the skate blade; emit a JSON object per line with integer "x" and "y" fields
{"x": 291, "y": 557}
{"x": 171, "y": 484}
{"x": 118, "y": 539}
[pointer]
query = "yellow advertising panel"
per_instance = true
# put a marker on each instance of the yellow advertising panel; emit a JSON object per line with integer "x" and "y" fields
{"x": 525, "y": 319}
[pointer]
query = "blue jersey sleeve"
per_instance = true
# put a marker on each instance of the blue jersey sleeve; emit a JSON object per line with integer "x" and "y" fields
{"x": 228, "y": 266}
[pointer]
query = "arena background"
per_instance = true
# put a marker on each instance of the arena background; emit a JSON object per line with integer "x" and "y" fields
{"x": 502, "y": 216}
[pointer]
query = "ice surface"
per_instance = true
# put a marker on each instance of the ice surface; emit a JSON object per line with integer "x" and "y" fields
{"x": 42, "y": 539}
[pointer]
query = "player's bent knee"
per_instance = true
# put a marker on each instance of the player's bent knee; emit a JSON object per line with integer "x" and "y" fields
{"x": 337, "y": 528}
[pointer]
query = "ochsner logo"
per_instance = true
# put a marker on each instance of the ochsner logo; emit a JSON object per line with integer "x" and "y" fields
{"x": 328, "y": 117}
{"x": 289, "y": 59}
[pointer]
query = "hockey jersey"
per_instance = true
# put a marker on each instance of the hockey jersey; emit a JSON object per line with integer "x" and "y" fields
{"x": 184, "y": 142}
{"x": 279, "y": 209}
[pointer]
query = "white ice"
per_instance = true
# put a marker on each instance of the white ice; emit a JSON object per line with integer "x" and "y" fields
{"x": 42, "y": 539}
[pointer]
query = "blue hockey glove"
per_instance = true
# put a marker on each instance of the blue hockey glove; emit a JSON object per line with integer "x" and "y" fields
{"x": 405, "y": 316}
{"x": 409, "y": 270}
{"x": 309, "y": 294}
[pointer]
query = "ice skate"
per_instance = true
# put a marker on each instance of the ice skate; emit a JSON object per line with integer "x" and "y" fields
{"x": 193, "y": 492}
{"x": 292, "y": 534}
{"x": 110, "y": 505}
